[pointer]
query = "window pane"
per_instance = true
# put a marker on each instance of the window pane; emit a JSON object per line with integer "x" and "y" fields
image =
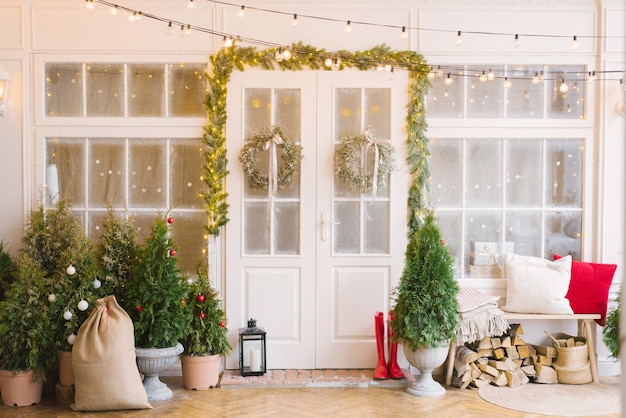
{"x": 147, "y": 165}
{"x": 346, "y": 231}
{"x": 446, "y": 172}
{"x": 287, "y": 115}
{"x": 376, "y": 227}
{"x": 451, "y": 226}
{"x": 146, "y": 96}
{"x": 377, "y": 111}
{"x": 256, "y": 228}
{"x": 482, "y": 227}
{"x": 64, "y": 90}
{"x": 563, "y": 234}
{"x": 187, "y": 90}
{"x": 189, "y": 236}
{"x": 258, "y": 110}
{"x": 107, "y": 173}
{"x": 484, "y": 167}
{"x": 65, "y": 175}
{"x": 524, "y": 98}
{"x": 287, "y": 233}
{"x": 564, "y": 174}
{"x": 523, "y": 173}
{"x": 485, "y": 99}
{"x": 445, "y": 101}
{"x": 566, "y": 104}
{"x": 347, "y": 111}
{"x": 105, "y": 90}
{"x": 523, "y": 229}
{"x": 186, "y": 162}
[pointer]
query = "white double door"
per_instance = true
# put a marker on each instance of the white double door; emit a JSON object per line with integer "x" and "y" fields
{"x": 312, "y": 262}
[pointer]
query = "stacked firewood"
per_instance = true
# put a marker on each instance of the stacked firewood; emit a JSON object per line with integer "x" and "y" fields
{"x": 506, "y": 360}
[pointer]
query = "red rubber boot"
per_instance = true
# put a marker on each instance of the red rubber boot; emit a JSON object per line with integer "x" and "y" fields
{"x": 380, "y": 372}
{"x": 395, "y": 372}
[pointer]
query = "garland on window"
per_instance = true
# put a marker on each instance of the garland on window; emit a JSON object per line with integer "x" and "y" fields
{"x": 306, "y": 56}
{"x": 270, "y": 140}
{"x": 353, "y": 173}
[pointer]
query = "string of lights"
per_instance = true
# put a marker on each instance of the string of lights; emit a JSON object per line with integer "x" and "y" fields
{"x": 333, "y": 60}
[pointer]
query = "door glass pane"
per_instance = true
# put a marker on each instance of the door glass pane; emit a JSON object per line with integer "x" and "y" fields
{"x": 377, "y": 112}
{"x": 484, "y": 166}
{"x": 288, "y": 117}
{"x": 146, "y": 90}
{"x": 523, "y": 173}
{"x": 105, "y": 90}
{"x": 64, "y": 90}
{"x": 185, "y": 173}
{"x": 346, "y": 231}
{"x": 65, "y": 175}
{"x": 187, "y": 88}
{"x": 257, "y": 110}
{"x": 107, "y": 173}
{"x": 147, "y": 170}
{"x": 256, "y": 228}
{"x": 347, "y": 111}
{"x": 287, "y": 228}
{"x": 376, "y": 228}
{"x": 446, "y": 172}
{"x": 564, "y": 174}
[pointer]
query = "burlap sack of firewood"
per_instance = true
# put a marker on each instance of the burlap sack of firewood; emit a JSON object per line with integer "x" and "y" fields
{"x": 572, "y": 362}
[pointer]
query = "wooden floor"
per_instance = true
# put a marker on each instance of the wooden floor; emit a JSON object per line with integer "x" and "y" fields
{"x": 291, "y": 402}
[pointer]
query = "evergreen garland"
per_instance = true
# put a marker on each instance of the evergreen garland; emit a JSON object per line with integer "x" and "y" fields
{"x": 306, "y": 56}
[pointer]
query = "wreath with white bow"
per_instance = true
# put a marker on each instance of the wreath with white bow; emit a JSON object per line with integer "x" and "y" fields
{"x": 350, "y": 169}
{"x": 270, "y": 139}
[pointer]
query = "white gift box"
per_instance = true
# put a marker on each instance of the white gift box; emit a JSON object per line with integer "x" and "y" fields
{"x": 485, "y": 253}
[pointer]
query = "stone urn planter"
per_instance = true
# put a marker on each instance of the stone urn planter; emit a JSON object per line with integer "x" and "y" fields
{"x": 201, "y": 372}
{"x": 20, "y": 389}
{"x": 426, "y": 360}
{"x": 153, "y": 361}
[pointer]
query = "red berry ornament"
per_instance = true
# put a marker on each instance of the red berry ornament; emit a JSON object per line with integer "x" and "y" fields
{"x": 138, "y": 308}
{"x": 182, "y": 301}
{"x": 443, "y": 241}
{"x": 172, "y": 252}
{"x": 222, "y": 324}
{"x": 170, "y": 220}
{"x": 202, "y": 315}
{"x": 200, "y": 298}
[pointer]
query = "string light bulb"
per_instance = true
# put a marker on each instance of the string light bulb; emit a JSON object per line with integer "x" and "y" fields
{"x": 348, "y": 27}
{"x": 516, "y": 41}
{"x": 431, "y": 74}
{"x": 391, "y": 74}
{"x": 191, "y": 4}
{"x": 89, "y": 4}
{"x": 439, "y": 72}
{"x": 449, "y": 80}
{"x": 592, "y": 76}
{"x": 459, "y": 38}
{"x": 380, "y": 67}
{"x": 575, "y": 43}
{"x": 188, "y": 30}
{"x": 563, "y": 88}
{"x": 114, "y": 9}
{"x": 490, "y": 75}
{"x": 170, "y": 29}
{"x": 287, "y": 54}
{"x": 507, "y": 83}
{"x": 329, "y": 62}
{"x": 483, "y": 77}
{"x": 242, "y": 11}
{"x": 294, "y": 22}
{"x": 228, "y": 42}
{"x": 535, "y": 80}
{"x": 403, "y": 34}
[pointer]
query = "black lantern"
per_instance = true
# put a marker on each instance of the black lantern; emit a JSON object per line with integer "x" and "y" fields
{"x": 252, "y": 350}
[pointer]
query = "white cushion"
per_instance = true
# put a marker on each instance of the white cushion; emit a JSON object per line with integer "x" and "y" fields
{"x": 537, "y": 285}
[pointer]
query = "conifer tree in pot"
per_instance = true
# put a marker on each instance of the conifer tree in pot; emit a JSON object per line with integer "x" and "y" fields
{"x": 426, "y": 311}
{"x": 155, "y": 301}
{"x": 206, "y": 339}
{"x": 27, "y": 352}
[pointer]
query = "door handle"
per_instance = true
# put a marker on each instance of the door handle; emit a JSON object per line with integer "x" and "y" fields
{"x": 326, "y": 224}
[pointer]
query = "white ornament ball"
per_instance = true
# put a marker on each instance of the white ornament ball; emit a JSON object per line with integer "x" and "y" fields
{"x": 83, "y": 305}
{"x": 52, "y": 298}
{"x": 71, "y": 338}
{"x": 71, "y": 270}
{"x": 67, "y": 315}
{"x": 96, "y": 284}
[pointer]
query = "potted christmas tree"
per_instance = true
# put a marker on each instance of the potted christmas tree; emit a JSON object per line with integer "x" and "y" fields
{"x": 27, "y": 352}
{"x": 206, "y": 339}
{"x": 426, "y": 311}
{"x": 155, "y": 301}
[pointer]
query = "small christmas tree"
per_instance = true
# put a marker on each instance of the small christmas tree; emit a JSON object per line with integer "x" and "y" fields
{"x": 155, "y": 295}
{"x": 26, "y": 331}
{"x": 55, "y": 241}
{"x": 426, "y": 310}
{"x": 207, "y": 333}
{"x": 116, "y": 253}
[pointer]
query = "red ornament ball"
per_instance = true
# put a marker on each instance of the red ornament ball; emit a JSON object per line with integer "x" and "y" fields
{"x": 182, "y": 301}
{"x": 222, "y": 324}
{"x": 443, "y": 241}
{"x": 170, "y": 220}
{"x": 200, "y": 298}
{"x": 172, "y": 252}
{"x": 202, "y": 315}
{"x": 138, "y": 308}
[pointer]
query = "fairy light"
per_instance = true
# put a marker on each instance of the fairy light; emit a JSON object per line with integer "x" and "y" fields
{"x": 403, "y": 34}
{"x": 563, "y": 88}
{"x": 431, "y": 74}
{"x": 170, "y": 29}
{"x": 592, "y": 76}
{"x": 294, "y": 22}
{"x": 279, "y": 56}
{"x": 483, "y": 77}
{"x": 391, "y": 74}
{"x": 188, "y": 30}
{"x": 191, "y": 4}
{"x": 459, "y": 38}
{"x": 114, "y": 9}
{"x": 449, "y": 80}
{"x": 490, "y": 75}
{"x": 575, "y": 43}
{"x": 439, "y": 72}
{"x": 89, "y": 4}
{"x": 507, "y": 83}
{"x": 228, "y": 42}
{"x": 535, "y": 80}
{"x": 348, "y": 27}
{"x": 380, "y": 67}
{"x": 516, "y": 41}
{"x": 242, "y": 11}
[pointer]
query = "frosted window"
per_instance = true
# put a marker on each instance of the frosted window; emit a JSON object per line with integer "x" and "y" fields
{"x": 564, "y": 174}
{"x": 451, "y": 226}
{"x": 107, "y": 173}
{"x": 144, "y": 222}
{"x": 524, "y": 99}
{"x": 187, "y": 88}
{"x": 482, "y": 226}
{"x": 257, "y": 110}
{"x": 288, "y": 112}
{"x": 64, "y": 90}
{"x": 348, "y": 110}
{"x": 523, "y": 229}
{"x": 570, "y": 104}
{"x": 446, "y": 178}
{"x": 523, "y": 173}
{"x": 287, "y": 236}
{"x": 347, "y": 232}
{"x": 105, "y": 90}
{"x": 65, "y": 175}
{"x": 486, "y": 99}
{"x": 563, "y": 234}
{"x": 484, "y": 169}
{"x": 257, "y": 228}
{"x": 147, "y": 174}
{"x": 188, "y": 235}
{"x": 146, "y": 90}
{"x": 377, "y": 111}
{"x": 445, "y": 101}
{"x": 186, "y": 172}
{"x": 376, "y": 228}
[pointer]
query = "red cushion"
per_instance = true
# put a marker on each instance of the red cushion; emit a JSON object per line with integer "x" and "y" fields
{"x": 589, "y": 288}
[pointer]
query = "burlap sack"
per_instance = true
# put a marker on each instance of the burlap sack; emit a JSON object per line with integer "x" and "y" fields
{"x": 103, "y": 357}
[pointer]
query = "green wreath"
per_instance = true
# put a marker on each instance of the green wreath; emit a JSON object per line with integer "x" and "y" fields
{"x": 249, "y": 157}
{"x": 348, "y": 166}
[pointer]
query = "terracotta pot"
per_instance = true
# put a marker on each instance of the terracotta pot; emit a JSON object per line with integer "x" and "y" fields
{"x": 66, "y": 371}
{"x": 200, "y": 372}
{"x": 20, "y": 389}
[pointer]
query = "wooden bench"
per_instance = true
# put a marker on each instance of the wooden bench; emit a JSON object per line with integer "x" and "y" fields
{"x": 586, "y": 329}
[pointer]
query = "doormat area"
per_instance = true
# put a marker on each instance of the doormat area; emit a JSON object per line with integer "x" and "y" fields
{"x": 557, "y": 399}
{"x": 319, "y": 378}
